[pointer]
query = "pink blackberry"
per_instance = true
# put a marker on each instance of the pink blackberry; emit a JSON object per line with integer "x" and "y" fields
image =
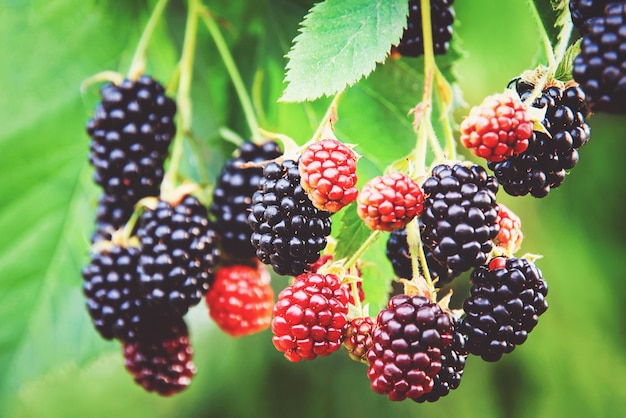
{"x": 405, "y": 357}
{"x": 310, "y": 317}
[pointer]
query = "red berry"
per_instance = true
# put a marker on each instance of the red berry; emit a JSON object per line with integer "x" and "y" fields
{"x": 310, "y": 317}
{"x": 389, "y": 202}
{"x": 241, "y": 299}
{"x": 498, "y": 128}
{"x": 510, "y": 236}
{"x": 328, "y": 174}
{"x": 359, "y": 338}
{"x": 359, "y": 284}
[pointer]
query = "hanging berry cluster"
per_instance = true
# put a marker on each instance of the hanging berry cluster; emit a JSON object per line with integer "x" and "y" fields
{"x": 159, "y": 247}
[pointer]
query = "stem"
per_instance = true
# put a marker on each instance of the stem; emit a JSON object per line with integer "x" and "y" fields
{"x": 233, "y": 72}
{"x": 442, "y": 88}
{"x": 183, "y": 97}
{"x": 355, "y": 295}
{"x": 552, "y": 63}
{"x": 358, "y": 253}
{"x": 418, "y": 257}
{"x": 329, "y": 118}
{"x": 138, "y": 63}
{"x": 561, "y": 46}
{"x": 427, "y": 34}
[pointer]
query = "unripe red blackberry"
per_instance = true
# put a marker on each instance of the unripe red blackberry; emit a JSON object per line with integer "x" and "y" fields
{"x": 600, "y": 68}
{"x": 398, "y": 253}
{"x": 459, "y": 218}
{"x": 178, "y": 254}
{"x": 410, "y": 336}
{"x": 510, "y": 236}
{"x": 359, "y": 338}
{"x": 232, "y": 197}
{"x": 288, "y": 232}
{"x": 130, "y": 134}
{"x": 389, "y": 202}
{"x": 506, "y": 299}
{"x": 442, "y": 17}
{"x": 498, "y": 128}
{"x": 543, "y": 166}
{"x": 310, "y": 317}
{"x": 453, "y": 360}
{"x": 111, "y": 289}
{"x": 328, "y": 174}
{"x": 161, "y": 360}
{"x": 241, "y": 299}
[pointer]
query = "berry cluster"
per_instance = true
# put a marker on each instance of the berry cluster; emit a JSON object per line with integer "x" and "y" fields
{"x": 441, "y": 16}
{"x": 600, "y": 68}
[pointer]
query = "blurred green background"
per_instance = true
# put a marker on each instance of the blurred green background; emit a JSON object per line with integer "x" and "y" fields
{"x": 53, "y": 363}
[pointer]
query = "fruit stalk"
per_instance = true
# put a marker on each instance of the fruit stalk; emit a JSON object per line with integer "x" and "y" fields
{"x": 138, "y": 62}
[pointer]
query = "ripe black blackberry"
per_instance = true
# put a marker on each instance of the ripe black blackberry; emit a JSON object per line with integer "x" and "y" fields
{"x": 408, "y": 341}
{"x": 581, "y": 10}
{"x": 161, "y": 359}
{"x": 459, "y": 217}
{"x": 544, "y": 164}
{"x": 130, "y": 134}
{"x": 397, "y": 252}
{"x": 178, "y": 254}
{"x": 506, "y": 299}
{"x": 288, "y": 232}
{"x": 111, "y": 289}
{"x": 600, "y": 68}
{"x": 442, "y": 17}
{"x": 449, "y": 377}
{"x": 232, "y": 197}
{"x": 112, "y": 213}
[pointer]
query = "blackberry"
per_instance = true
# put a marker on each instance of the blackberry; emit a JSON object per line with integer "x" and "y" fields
{"x": 543, "y": 166}
{"x": 581, "y": 10}
{"x": 178, "y": 254}
{"x": 600, "y": 68}
{"x": 161, "y": 360}
{"x": 288, "y": 232}
{"x": 506, "y": 299}
{"x": 398, "y": 254}
{"x": 407, "y": 345}
{"x": 459, "y": 218}
{"x": 111, "y": 288}
{"x": 452, "y": 365}
{"x": 112, "y": 213}
{"x": 232, "y": 197}
{"x": 130, "y": 134}
{"x": 442, "y": 17}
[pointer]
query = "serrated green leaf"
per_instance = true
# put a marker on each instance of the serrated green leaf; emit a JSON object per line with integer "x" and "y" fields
{"x": 553, "y": 15}
{"x": 351, "y": 234}
{"x": 340, "y": 42}
{"x": 566, "y": 66}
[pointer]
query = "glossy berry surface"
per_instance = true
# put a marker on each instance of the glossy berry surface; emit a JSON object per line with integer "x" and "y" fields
{"x": 506, "y": 299}
{"x": 288, "y": 232}
{"x": 111, "y": 289}
{"x": 328, "y": 174}
{"x": 442, "y": 17}
{"x": 389, "y": 202}
{"x": 310, "y": 317}
{"x": 359, "y": 338}
{"x": 582, "y": 10}
{"x": 161, "y": 360}
{"x": 408, "y": 341}
{"x": 600, "y": 68}
{"x": 544, "y": 165}
{"x": 498, "y": 128}
{"x": 397, "y": 251}
{"x": 459, "y": 218}
{"x": 178, "y": 254}
{"x": 241, "y": 299}
{"x": 112, "y": 213}
{"x": 130, "y": 134}
{"x": 232, "y": 197}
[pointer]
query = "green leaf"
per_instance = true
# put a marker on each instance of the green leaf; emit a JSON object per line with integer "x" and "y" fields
{"x": 566, "y": 66}
{"x": 351, "y": 234}
{"x": 340, "y": 42}
{"x": 553, "y": 15}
